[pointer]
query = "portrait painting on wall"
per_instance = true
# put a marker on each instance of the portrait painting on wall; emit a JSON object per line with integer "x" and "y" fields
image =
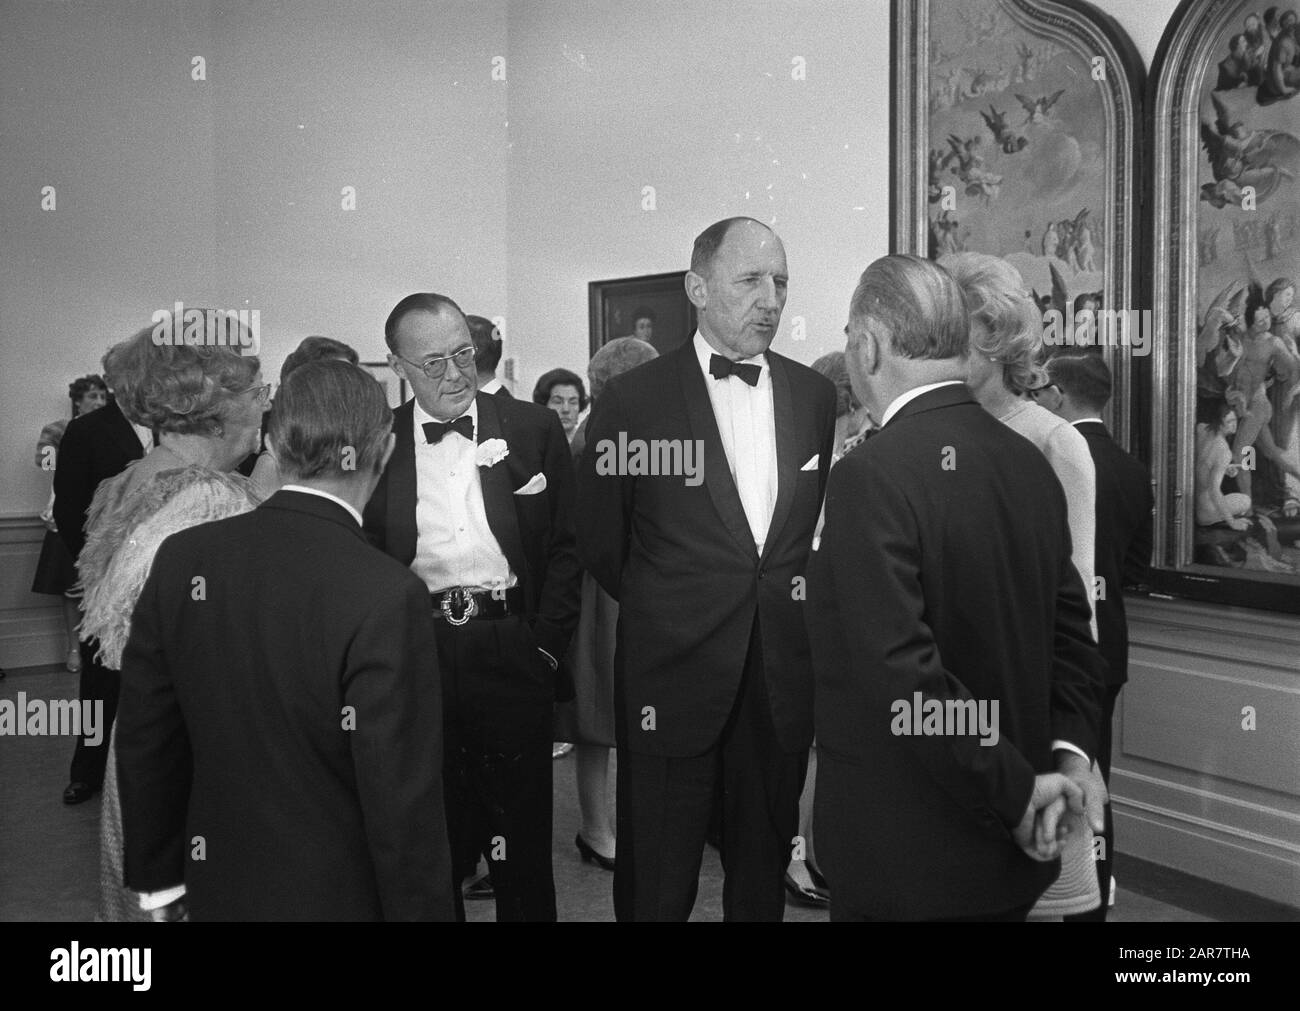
{"x": 653, "y": 307}
{"x": 1226, "y": 257}
{"x": 1015, "y": 127}
{"x": 393, "y": 384}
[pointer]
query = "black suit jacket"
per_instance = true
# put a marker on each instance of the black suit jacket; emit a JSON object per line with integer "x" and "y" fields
{"x": 945, "y": 573}
{"x": 682, "y": 563}
{"x": 1124, "y": 536}
{"x": 292, "y": 717}
{"x": 95, "y": 447}
{"x": 535, "y": 531}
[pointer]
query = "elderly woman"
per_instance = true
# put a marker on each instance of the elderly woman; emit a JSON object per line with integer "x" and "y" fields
{"x": 592, "y": 653}
{"x": 56, "y": 570}
{"x": 1006, "y": 341}
{"x": 562, "y": 391}
{"x": 205, "y": 403}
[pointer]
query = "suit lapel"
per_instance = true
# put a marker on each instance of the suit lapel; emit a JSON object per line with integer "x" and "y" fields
{"x": 498, "y": 492}
{"x": 787, "y": 448}
{"x": 400, "y": 519}
{"x": 717, "y": 474}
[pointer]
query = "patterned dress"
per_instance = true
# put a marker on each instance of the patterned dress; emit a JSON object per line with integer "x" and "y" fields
{"x": 124, "y": 527}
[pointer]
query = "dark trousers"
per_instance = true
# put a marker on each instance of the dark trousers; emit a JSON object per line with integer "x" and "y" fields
{"x": 1104, "y": 865}
{"x": 498, "y": 692}
{"x": 98, "y": 684}
{"x": 664, "y": 809}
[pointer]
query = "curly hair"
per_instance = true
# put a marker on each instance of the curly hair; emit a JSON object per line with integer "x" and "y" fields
{"x": 178, "y": 388}
{"x": 616, "y": 357}
{"x": 833, "y": 367}
{"x": 1011, "y": 325}
{"x": 559, "y": 377}
{"x": 78, "y": 388}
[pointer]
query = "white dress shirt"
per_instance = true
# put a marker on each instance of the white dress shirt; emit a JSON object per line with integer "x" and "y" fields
{"x": 491, "y": 386}
{"x": 454, "y": 545}
{"x": 324, "y": 494}
{"x": 747, "y": 423}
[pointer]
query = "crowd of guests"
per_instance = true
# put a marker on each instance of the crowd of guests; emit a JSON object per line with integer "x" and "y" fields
{"x": 347, "y": 637}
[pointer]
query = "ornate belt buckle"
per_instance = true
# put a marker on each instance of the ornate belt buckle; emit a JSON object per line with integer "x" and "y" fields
{"x": 458, "y": 605}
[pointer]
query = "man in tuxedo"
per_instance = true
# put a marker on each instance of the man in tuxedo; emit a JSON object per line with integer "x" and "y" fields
{"x": 943, "y": 580}
{"x": 281, "y": 707}
{"x": 95, "y": 447}
{"x": 487, "y": 354}
{"x": 713, "y": 687}
{"x": 1078, "y": 389}
{"x": 478, "y": 501}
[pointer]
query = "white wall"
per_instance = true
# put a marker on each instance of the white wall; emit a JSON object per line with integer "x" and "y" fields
{"x": 227, "y": 192}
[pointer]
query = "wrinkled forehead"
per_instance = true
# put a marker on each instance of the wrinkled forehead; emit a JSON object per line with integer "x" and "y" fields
{"x": 423, "y": 334}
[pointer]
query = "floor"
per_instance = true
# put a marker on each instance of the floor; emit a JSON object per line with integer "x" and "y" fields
{"x": 49, "y": 852}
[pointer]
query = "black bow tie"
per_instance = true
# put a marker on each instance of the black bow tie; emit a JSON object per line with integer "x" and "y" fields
{"x": 435, "y": 430}
{"x": 720, "y": 368}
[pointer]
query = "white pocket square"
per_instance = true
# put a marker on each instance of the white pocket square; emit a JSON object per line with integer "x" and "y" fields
{"x": 812, "y": 464}
{"x": 537, "y": 483}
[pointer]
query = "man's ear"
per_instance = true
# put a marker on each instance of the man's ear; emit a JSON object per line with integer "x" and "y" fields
{"x": 388, "y": 452}
{"x": 697, "y": 289}
{"x": 871, "y": 350}
{"x": 395, "y": 364}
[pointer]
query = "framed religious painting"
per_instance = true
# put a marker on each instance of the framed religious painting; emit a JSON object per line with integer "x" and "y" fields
{"x": 393, "y": 384}
{"x": 1016, "y": 130}
{"x": 653, "y": 307}
{"x": 1225, "y": 259}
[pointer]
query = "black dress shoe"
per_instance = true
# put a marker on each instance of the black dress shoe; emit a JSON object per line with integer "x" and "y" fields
{"x": 589, "y": 854}
{"x": 78, "y": 792}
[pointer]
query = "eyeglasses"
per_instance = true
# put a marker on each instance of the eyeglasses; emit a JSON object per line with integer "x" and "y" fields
{"x": 262, "y": 393}
{"x": 436, "y": 368}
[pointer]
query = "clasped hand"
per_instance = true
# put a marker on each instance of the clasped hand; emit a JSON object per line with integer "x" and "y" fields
{"x": 1077, "y": 788}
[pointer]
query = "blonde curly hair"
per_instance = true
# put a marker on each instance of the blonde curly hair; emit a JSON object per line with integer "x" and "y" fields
{"x": 1011, "y": 325}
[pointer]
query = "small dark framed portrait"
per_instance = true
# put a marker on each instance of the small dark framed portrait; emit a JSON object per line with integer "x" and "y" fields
{"x": 393, "y": 384}
{"x": 653, "y": 307}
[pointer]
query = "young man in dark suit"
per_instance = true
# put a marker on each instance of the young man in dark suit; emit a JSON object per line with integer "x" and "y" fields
{"x": 943, "y": 579}
{"x": 95, "y": 447}
{"x": 706, "y": 557}
{"x": 280, "y": 695}
{"x": 478, "y": 501}
{"x": 1078, "y": 389}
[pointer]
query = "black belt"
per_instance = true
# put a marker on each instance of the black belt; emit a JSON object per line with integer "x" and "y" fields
{"x": 458, "y": 604}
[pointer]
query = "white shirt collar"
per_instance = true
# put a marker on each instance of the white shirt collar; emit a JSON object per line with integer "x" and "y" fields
{"x": 900, "y": 402}
{"x": 704, "y": 350}
{"x": 421, "y": 416}
{"x": 323, "y": 494}
{"x": 491, "y": 386}
{"x": 1084, "y": 421}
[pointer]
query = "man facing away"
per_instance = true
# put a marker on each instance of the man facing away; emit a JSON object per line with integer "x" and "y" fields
{"x": 1078, "y": 388}
{"x": 713, "y": 688}
{"x": 949, "y": 632}
{"x": 280, "y": 731}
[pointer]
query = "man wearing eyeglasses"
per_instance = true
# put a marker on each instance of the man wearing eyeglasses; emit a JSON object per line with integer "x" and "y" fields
{"x": 477, "y": 499}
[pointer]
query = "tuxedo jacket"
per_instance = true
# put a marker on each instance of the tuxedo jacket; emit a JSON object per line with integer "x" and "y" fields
{"x": 681, "y": 560}
{"x": 287, "y": 710}
{"x": 95, "y": 447}
{"x": 1124, "y": 536}
{"x": 944, "y": 569}
{"x": 535, "y": 531}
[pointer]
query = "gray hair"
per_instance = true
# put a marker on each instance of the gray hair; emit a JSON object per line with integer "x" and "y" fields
{"x": 620, "y": 355}
{"x": 918, "y": 305}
